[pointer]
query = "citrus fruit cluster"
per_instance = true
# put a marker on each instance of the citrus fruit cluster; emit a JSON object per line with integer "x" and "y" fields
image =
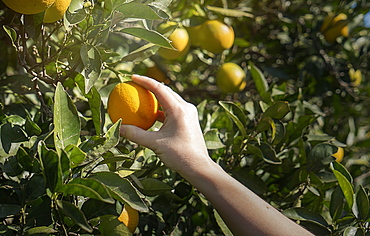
{"x": 134, "y": 104}
{"x": 54, "y": 9}
{"x": 334, "y": 26}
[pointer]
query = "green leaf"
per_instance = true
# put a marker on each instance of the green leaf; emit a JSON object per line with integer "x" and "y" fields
{"x": 277, "y": 110}
{"x": 362, "y": 204}
{"x": 67, "y": 124}
{"x": 7, "y": 210}
{"x": 264, "y": 124}
{"x": 336, "y": 204}
{"x": 41, "y": 230}
{"x": 213, "y": 140}
{"x": 75, "y": 214}
{"x": 76, "y": 155}
{"x": 110, "y": 225}
{"x": 264, "y": 151}
{"x": 141, "y": 53}
{"x": 35, "y": 188}
{"x": 346, "y": 187}
{"x": 11, "y": 167}
{"x": 260, "y": 82}
{"x": 12, "y": 35}
{"x": 320, "y": 156}
{"x": 91, "y": 188}
{"x": 10, "y": 137}
{"x": 94, "y": 208}
{"x": 225, "y": 230}
{"x": 339, "y": 167}
{"x": 353, "y": 231}
{"x": 50, "y": 166}
{"x": 92, "y": 62}
{"x": 94, "y": 99}
{"x": 304, "y": 214}
{"x": 149, "y": 35}
{"x": 153, "y": 187}
{"x": 229, "y": 12}
{"x": 138, "y": 10}
{"x": 121, "y": 189}
{"x": 236, "y": 115}
{"x": 32, "y": 128}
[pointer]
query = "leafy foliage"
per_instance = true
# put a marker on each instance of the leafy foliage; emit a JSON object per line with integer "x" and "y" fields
{"x": 64, "y": 169}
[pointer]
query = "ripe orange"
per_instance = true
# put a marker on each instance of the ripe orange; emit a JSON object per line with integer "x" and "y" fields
{"x": 334, "y": 26}
{"x": 217, "y": 36}
{"x": 157, "y": 74}
{"x": 56, "y": 11}
{"x": 339, "y": 154}
{"x": 134, "y": 104}
{"x": 179, "y": 40}
{"x": 130, "y": 217}
{"x": 230, "y": 78}
{"x": 28, "y": 7}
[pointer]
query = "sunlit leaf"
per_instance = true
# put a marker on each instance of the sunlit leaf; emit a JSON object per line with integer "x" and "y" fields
{"x": 41, "y": 230}
{"x": 346, "y": 187}
{"x": 66, "y": 121}
{"x": 278, "y": 110}
{"x": 260, "y": 82}
{"x": 149, "y": 35}
{"x": 236, "y": 115}
{"x": 92, "y": 62}
{"x": 230, "y": 12}
{"x": 138, "y": 10}
{"x": 88, "y": 188}
{"x": 121, "y": 189}
{"x": 212, "y": 139}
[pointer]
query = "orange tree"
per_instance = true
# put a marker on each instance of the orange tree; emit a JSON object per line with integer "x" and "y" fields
{"x": 65, "y": 170}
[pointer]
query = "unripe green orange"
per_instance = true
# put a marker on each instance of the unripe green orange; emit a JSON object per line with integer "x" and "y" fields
{"x": 230, "y": 78}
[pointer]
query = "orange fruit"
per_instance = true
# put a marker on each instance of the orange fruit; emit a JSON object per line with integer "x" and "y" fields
{"x": 134, "y": 104}
{"x": 216, "y": 36}
{"x": 339, "y": 154}
{"x": 157, "y": 74}
{"x": 28, "y": 7}
{"x": 179, "y": 40}
{"x": 230, "y": 78}
{"x": 130, "y": 217}
{"x": 334, "y": 26}
{"x": 56, "y": 11}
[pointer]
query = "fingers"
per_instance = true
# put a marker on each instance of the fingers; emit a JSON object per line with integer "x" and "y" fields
{"x": 138, "y": 135}
{"x": 165, "y": 95}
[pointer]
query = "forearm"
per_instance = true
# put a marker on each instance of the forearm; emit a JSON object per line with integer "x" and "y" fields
{"x": 243, "y": 211}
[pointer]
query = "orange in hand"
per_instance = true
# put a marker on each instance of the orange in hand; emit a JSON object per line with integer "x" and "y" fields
{"x": 134, "y": 104}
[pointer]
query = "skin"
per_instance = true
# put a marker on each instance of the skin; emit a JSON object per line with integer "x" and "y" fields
{"x": 244, "y": 212}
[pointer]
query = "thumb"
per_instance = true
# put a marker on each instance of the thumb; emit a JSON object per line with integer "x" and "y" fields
{"x": 137, "y": 135}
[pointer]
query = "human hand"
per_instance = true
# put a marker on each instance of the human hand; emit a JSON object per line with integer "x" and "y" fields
{"x": 179, "y": 143}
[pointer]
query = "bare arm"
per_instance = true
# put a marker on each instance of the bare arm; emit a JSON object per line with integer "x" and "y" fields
{"x": 243, "y": 211}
